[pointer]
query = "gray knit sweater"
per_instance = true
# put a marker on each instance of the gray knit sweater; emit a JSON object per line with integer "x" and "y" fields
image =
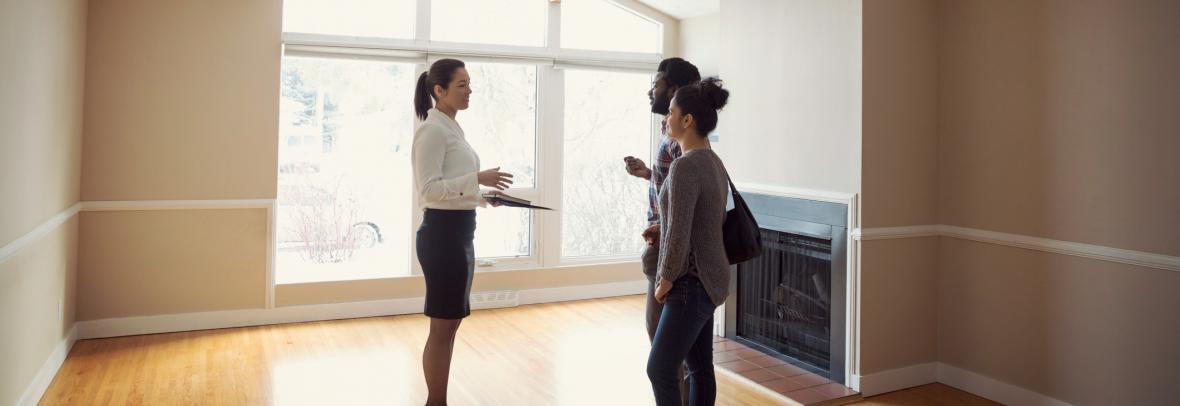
{"x": 692, "y": 209}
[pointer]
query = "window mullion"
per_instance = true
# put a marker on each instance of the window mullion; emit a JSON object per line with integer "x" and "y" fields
{"x": 553, "y": 26}
{"x": 550, "y": 148}
{"x": 422, "y": 25}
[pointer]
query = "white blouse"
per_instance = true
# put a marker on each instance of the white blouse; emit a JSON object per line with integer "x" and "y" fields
{"x": 445, "y": 166}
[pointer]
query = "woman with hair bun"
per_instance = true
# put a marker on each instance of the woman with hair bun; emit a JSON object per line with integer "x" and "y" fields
{"x": 693, "y": 271}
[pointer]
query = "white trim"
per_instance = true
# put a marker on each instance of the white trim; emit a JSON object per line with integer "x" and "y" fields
{"x": 318, "y": 51}
{"x": 852, "y": 295}
{"x": 36, "y": 389}
{"x": 583, "y": 292}
{"x": 998, "y": 391}
{"x": 169, "y": 323}
{"x": 897, "y": 379}
{"x": 134, "y": 205}
{"x": 271, "y": 248}
{"x": 798, "y": 193}
{"x": 1098, "y": 252}
{"x": 1131, "y": 257}
{"x": 888, "y": 233}
{"x": 402, "y": 48}
{"x": 10, "y": 249}
{"x": 922, "y": 374}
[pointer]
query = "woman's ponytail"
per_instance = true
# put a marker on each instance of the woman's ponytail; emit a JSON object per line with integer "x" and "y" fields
{"x": 422, "y": 98}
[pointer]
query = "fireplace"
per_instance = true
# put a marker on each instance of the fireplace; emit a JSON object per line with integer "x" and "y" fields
{"x": 790, "y": 302}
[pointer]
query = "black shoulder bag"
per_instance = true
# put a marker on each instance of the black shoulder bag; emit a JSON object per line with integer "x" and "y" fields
{"x": 743, "y": 240}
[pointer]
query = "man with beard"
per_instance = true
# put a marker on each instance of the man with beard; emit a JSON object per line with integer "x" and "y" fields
{"x": 672, "y": 74}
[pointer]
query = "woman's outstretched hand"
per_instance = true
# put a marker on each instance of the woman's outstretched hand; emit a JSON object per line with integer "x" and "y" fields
{"x": 493, "y": 178}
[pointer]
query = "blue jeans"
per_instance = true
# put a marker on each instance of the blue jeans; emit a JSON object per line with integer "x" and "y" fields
{"x": 684, "y": 335}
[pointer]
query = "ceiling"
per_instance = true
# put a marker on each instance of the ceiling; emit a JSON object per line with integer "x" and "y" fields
{"x": 681, "y": 9}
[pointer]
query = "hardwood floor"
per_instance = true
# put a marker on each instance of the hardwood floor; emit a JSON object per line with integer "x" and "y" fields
{"x": 577, "y": 353}
{"x": 935, "y": 394}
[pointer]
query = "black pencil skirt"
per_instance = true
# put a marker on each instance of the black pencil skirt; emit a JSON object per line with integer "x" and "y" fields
{"x": 447, "y": 255}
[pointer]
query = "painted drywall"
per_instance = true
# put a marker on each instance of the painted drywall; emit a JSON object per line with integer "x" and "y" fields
{"x": 793, "y": 68}
{"x": 33, "y": 284}
{"x": 182, "y": 100}
{"x": 1083, "y": 331}
{"x": 43, "y": 43}
{"x": 1057, "y": 119}
{"x": 700, "y": 43}
{"x": 41, "y": 120}
{"x": 142, "y": 263}
{"x": 900, "y": 145}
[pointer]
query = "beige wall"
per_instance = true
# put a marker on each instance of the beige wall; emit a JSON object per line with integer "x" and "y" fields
{"x": 181, "y": 103}
{"x": 900, "y": 143}
{"x": 33, "y": 283}
{"x": 41, "y": 116}
{"x": 1058, "y": 119}
{"x": 182, "y": 100}
{"x": 794, "y": 70}
{"x": 1083, "y": 331}
{"x": 141, "y": 263}
{"x": 700, "y": 43}
{"x": 899, "y": 184}
{"x": 898, "y": 303}
{"x": 43, "y": 45}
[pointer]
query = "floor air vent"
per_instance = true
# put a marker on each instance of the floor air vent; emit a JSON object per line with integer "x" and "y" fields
{"x": 495, "y": 299}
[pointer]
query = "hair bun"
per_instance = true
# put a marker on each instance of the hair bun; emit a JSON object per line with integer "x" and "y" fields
{"x": 713, "y": 91}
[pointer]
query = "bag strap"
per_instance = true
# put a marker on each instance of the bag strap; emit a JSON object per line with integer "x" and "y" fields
{"x": 732, "y": 188}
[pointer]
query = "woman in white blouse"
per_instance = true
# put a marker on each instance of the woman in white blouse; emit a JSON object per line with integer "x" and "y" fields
{"x": 447, "y": 179}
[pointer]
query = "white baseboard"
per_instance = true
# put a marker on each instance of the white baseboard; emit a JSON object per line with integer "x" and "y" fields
{"x": 567, "y": 293}
{"x": 898, "y": 379}
{"x": 998, "y": 391}
{"x": 169, "y": 323}
{"x": 44, "y": 377}
{"x": 979, "y": 385}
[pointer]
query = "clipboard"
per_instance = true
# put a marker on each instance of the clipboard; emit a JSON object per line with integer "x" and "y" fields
{"x": 510, "y": 201}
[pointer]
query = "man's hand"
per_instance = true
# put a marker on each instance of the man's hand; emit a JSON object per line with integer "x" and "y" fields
{"x": 662, "y": 290}
{"x": 652, "y": 234}
{"x": 636, "y": 168}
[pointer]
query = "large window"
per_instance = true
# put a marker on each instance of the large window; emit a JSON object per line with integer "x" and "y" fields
{"x": 505, "y": 22}
{"x": 607, "y": 118}
{"x": 362, "y": 18}
{"x": 346, "y": 206}
{"x": 342, "y": 209}
{"x": 582, "y": 27}
{"x": 501, "y": 124}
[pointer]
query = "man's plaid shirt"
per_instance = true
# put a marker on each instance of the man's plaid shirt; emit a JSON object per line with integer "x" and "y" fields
{"x": 668, "y": 151}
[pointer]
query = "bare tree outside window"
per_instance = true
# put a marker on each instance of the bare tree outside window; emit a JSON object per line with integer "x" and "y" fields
{"x": 607, "y": 117}
{"x": 343, "y": 206}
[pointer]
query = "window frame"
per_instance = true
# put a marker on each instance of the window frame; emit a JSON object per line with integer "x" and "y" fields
{"x": 551, "y": 60}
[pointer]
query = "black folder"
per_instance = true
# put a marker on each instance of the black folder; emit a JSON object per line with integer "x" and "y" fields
{"x": 506, "y": 200}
